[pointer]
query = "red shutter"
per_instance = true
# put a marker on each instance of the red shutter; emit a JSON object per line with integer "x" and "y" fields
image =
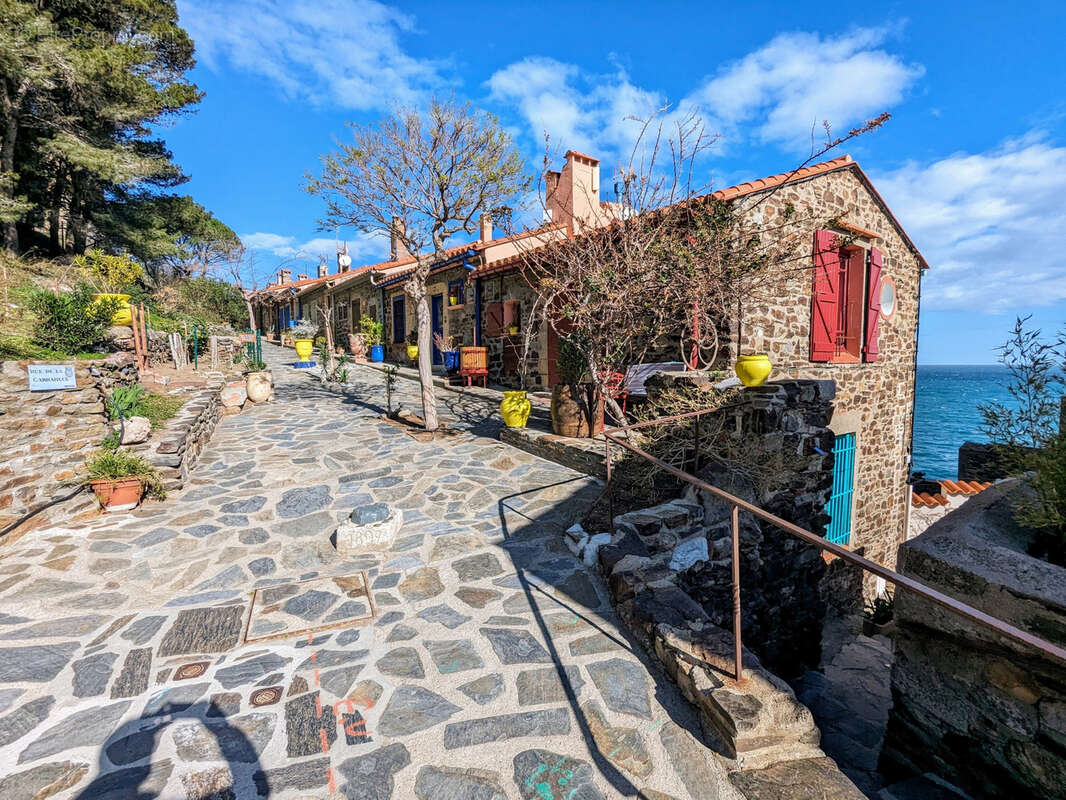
{"x": 825, "y": 296}
{"x": 873, "y": 305}
{"x": 494, "y": 319}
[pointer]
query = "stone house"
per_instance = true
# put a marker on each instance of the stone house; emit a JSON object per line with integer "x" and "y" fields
{"x": 847, "y": 313}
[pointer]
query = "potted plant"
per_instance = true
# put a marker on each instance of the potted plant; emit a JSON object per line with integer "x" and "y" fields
{"x": 109, "y": 275}
{"x": 449, "y": 350}
{"x": 373, "y": 335}
{"x": 412, "y": 345}
{"x": 512, "y": 330}
{"x": 259, "y": 381}
{"x": 303, "y": 335}
{"x": 120, "y": 478}
{"x": 753, "y": 370}
{"x": 453, "y": 300}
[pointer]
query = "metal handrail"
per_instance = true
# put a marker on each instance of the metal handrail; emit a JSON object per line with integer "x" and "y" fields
{"x": 736, "y": 504}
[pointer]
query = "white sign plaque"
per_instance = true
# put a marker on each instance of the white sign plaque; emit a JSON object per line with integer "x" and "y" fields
{"x": 50, "y": 377}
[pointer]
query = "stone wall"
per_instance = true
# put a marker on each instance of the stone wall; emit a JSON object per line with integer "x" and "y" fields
{"x": 873, "y": 400}
{"x": 968, "y": 704}
{"x": 47, "y": 435}
{"x": 175, "y": 449}
{"x": 669, "y": 572}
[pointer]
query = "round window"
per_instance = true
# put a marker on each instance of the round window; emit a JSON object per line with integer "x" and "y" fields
{"x": 888, "y": 298}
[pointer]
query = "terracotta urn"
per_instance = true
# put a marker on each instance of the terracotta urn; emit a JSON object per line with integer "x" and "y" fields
{"x": 260, "y": 386}
{"x": 568, "y": 415}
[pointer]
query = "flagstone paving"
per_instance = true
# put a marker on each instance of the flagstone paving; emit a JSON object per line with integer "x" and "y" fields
{"x": 485, "y": 662}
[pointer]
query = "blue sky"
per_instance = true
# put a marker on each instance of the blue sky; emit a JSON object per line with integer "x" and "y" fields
{"x": 973, "y": 161}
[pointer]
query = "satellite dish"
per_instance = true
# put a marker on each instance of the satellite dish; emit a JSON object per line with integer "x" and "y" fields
{"x": 344, "y": 260}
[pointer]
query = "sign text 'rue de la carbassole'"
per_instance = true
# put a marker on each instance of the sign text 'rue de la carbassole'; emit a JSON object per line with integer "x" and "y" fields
{"x": 50, "y": 377}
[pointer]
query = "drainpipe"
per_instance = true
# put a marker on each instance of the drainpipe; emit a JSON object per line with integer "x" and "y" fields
{"x": 477, "y": 312}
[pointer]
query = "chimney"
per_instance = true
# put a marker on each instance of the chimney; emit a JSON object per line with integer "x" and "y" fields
{"x": 301, "y": 277}
{"x": 399, "y": 249}
{"x": 486, "y": 228}
{"x": 323, "y": 269}
{"x": 573, "y": 195}
{"x": 284, "y": 276}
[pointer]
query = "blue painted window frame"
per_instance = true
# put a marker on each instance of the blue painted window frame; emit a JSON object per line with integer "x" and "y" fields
{"x": 840, "y": 499}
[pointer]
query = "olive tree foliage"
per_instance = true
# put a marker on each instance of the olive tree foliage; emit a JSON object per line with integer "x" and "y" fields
{"x": 1028, "y": 431}
{"x": 423, "y": 175}
{"x": 663, "y": 268}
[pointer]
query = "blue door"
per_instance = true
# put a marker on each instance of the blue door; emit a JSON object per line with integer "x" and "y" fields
{"x": 437, "y": 318}
{"x": 839, "y": 508}
{"x": 399, "y": 320}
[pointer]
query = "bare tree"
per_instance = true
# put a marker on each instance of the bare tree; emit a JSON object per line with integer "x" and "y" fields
{"x": 422, "y": 176}
{"x": 665, "y": 265}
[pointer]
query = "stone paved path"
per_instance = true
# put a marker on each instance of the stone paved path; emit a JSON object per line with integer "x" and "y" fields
{"x": 133, "y": 664}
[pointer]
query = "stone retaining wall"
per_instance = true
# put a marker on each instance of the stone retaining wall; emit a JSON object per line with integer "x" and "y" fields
{"x": 175, "y": 449}
{"x": 668, "y": 570}
{"x": 968, "y": 704}
{"x": 47, "y": 435}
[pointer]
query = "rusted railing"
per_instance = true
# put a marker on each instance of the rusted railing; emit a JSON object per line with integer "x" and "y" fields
{"x": 736, "y": 504}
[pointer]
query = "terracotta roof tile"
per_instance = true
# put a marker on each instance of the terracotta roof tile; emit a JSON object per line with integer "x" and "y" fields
{"x": 731, "y": 192}
{"x": 948, "y": 488}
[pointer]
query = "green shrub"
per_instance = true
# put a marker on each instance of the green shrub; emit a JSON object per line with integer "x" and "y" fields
{"x": 373, "y": 331}
{"x": 126, "y": 401}
{"x": 160, "y": 407}
{"x": 69, "y": 322}
{"x": 109, "y": 464}
{"x": 216, "y": 301}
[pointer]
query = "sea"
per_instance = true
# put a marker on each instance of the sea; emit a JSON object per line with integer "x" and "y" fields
{"x": 946, "y": 413}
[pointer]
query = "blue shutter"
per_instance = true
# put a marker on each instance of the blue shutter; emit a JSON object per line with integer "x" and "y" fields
{"x": 839, "y": 508}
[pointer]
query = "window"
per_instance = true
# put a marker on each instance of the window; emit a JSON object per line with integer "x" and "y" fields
{"x": 457, "y": 292}
{"x": 839, "y": 508}
{"x": 399, "y": 320}
{"x": 845, "y": 302}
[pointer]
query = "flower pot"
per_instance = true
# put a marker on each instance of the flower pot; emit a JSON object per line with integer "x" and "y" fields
{"x": 515, "y": 408}
{"x": 122, "y": 315}
{"x": 453, "y": 301}
{"x": 412, "y": 351}
{"x": 377, "y": 353}
{"x": 753, "y": 370}
{"x": 304, "y": 347}
{"x": 451, "y": 360}
{"x": 260, "y": 386}
{"x": 512, "y": 329}
{"x": 119, "y": 494}
{"x": 568, "y": 415}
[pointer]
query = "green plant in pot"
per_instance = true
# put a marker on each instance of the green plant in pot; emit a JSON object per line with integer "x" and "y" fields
{"x": 412, "y": 345}
{"x": 120, "y": 478}
{"x": 303, "y": 337}
{"x": 373, "y": 335}
{"x": 110, "y": 275}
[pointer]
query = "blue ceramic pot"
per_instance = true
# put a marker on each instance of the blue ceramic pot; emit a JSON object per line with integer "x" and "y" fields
{"x": 377, "y": 353}
{"x": 451, "y": 360}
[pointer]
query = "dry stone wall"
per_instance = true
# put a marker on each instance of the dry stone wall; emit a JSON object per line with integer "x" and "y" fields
{"x": 47, "y": 435}
{"x": 175, "y": 449}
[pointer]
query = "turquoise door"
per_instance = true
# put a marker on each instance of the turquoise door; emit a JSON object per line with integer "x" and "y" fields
{"x": 839, "y": 508}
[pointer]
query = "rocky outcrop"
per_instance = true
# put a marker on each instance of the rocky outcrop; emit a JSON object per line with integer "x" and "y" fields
{"x": 970, "y": 705}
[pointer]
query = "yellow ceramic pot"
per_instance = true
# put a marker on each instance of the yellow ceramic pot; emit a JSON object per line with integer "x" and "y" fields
{"x": 412, "y": 351}
{"x": 515, "y": 409}
{"x": 753, "y": 370}
{"x": 304, "y": 348}
{"x": 122, "y": 315}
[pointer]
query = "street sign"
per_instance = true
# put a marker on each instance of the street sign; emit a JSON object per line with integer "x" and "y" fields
{"x": 51, "y": 377}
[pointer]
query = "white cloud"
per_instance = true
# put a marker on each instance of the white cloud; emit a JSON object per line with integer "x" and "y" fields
{"x": 368, "y": 248}
{"x": 990, "y": 225}
{"x": 774, "y": 94}
{"x": 797, "y": 80}
{"x": 331, "y": 51}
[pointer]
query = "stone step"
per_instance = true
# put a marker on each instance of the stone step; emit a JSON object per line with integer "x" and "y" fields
{"x": 923, "y": 787}
{"x": 802, "y": 779}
